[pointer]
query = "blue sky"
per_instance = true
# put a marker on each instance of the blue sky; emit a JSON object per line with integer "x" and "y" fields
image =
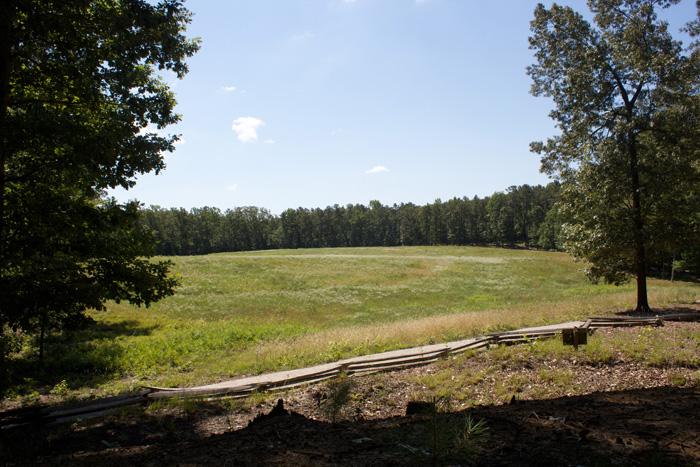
{"x": 314, "y": 102}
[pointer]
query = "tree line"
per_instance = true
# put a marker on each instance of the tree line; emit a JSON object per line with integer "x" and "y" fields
{"x": 525, "y": 216}
{"x": 521, "y": 215}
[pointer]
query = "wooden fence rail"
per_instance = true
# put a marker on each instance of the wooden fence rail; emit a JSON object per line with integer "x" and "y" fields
{"x": 385, "y": 361}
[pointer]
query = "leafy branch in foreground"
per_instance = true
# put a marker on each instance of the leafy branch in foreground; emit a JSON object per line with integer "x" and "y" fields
{"x": 79, "y": 87}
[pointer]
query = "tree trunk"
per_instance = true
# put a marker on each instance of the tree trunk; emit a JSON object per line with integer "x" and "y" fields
{"x": 642, "y": 302}
{"x": 640, "y": 259}
{"x": 673, "y": 266}
{"x": 6, "y": 14}
{"x": 42, "y": 333}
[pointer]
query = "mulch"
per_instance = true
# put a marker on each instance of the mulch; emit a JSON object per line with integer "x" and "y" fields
{"x": 626, "y": 414}
{"x": 655, "y": 426}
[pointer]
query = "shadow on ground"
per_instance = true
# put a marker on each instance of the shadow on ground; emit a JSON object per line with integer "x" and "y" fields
{"x": 636, "y": 427}
{"x": 661, "y": 311}
{"x": 83, "y": 358}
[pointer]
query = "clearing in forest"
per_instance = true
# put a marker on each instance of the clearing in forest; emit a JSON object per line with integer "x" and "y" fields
{"x": 250, "y": 312}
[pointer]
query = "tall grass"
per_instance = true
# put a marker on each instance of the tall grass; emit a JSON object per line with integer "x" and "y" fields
{"x": 245, "y": 313}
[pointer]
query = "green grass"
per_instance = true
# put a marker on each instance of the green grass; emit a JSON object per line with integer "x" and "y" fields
{"x": 245, "y": 313}
{"x": 554, "y": 365}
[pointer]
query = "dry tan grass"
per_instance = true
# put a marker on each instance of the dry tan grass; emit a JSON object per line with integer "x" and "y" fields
{"x": 337, "y": 343}
{"x": 242, "y": 314}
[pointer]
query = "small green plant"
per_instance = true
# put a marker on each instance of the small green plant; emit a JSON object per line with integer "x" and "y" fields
{"x": 257, "y": 398}
{"x": 231, "y": 404}
{"x": 186, "y": 405}
{"x": 338, "y": 397}
{"x": 60, "y": 389}
{"x": 472, "y": 432}
{"x": 562, "y": 378}
{"x": 189, "y": 406}
{"x": 155, "y": 406}
{"x": 452, "y": 437}
{"x": 33, "y": 398}
{"x": 438, "y": 427}
{"x": 677, "y": 379}
{"x": 510, "y": 386}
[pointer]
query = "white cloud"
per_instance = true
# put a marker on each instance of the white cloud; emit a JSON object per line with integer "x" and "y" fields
{"x": 304, "y": 36}
{"x": 269, "y": 141}
{"x": 232, "y": 187}
{"x": 246, "y": 128}
{"x": 377, "y": 169}
{"x": 229, "y": 88}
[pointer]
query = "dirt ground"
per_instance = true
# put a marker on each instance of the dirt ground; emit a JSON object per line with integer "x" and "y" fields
{"x": 656, "y": 426}
{"x": 510, "y": 407}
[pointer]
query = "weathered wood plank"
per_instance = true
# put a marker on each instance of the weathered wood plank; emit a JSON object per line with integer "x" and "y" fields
{"x": 280, "y": 380}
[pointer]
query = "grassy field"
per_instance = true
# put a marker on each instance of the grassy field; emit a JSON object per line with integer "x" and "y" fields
{"x": 245, "y": 313}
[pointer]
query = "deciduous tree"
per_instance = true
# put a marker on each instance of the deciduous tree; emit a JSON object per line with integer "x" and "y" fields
{"x": 625, "y": 99}
{"x": 79, "y": 94}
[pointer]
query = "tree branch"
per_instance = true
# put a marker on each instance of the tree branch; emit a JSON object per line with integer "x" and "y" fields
{"x": 637, "y": 92}
{"x": 601, "y": 127}
{"x": 20, "y": 101}
{"x": 621, "y": 87}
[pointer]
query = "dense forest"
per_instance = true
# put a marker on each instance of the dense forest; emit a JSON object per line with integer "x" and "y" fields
{"x": 523, "y": 215}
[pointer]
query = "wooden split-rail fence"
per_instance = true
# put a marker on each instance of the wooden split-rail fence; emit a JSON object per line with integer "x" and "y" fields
{"x": 385, "y": 361}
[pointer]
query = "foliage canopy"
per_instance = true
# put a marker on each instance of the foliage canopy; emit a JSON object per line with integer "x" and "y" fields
{"x": 79, "y": 91}
{"x": 626, "y": 103}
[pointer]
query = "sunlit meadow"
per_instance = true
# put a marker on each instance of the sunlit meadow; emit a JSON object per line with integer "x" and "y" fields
{"x": 250, "y": 312}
